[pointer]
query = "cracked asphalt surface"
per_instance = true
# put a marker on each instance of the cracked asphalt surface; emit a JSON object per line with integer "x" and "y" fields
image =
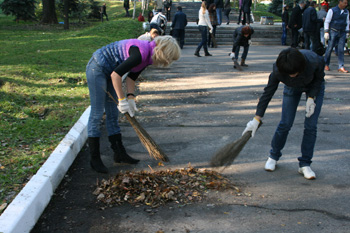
{"x": 191, "y": 110}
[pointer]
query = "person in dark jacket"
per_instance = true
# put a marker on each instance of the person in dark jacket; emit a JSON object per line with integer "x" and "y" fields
{"x": 241, "y": 37}
{"x": 310, "y": 26}
{"x": 246, "y": 5}
{"x": 301, "y": 71}
{"x": 296, "y": 22}
{"x": 285, "y": 20}
{"x": 104, "y": 73}
{"x": 227, "y": 10}
{"x": 103, "y": 12}
{"x": 167, "y": 7}
{"x": 126, "y": 7}
{"x": 178, "y": 25}
{"x": 214, "y": 22}
{"x": 219, "y": 5}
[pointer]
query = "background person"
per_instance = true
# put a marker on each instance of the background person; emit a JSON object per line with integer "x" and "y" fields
{"x": 203, "y": 24}
{"x": 241, "y": 37}
{"x": 178, "y": 25}
{"x": 104, "y": 73}
{"x": 103, "y": 12}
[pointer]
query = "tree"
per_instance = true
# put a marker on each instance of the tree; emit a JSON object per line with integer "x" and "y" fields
{"x": 21, "y": 9}
{"x": 49, "y": 12}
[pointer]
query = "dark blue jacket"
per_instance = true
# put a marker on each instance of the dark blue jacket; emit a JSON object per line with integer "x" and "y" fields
{"x": 310, "y": 20}
{"x": 338, "y": 21}
{"x": 309, "y": 81}
{"x": 296, "y": 18}
{"x": 179, "y": 21}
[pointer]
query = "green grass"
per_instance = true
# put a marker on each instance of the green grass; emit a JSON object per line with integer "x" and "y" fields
{"x": 43, "y": 89}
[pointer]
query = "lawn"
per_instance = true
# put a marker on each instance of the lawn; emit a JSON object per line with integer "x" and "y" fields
{"x": 43, "y": 89}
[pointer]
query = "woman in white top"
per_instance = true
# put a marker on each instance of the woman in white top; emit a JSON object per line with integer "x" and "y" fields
{"x": 203, "y": 24}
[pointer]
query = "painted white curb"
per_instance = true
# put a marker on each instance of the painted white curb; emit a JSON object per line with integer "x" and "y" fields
{"x": 24, "y": 211}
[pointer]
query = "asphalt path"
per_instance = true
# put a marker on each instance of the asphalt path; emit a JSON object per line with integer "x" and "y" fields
{"x": 192, "y": 109}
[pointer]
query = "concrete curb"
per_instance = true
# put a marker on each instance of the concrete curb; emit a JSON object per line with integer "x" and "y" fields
{"x": 24, "y": 211}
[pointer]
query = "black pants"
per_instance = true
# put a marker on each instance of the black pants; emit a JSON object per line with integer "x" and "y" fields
{"x": 246, "y": 18}
{"x": 295, "y": 38}
{"x": 179, "y": 34}
{"x": 102, "y": 16}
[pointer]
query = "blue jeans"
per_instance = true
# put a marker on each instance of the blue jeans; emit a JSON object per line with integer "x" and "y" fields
{"x": 100, "y": 102}
{"x": 245, "y": 51}
{"x": 333, "y": 37}
{"x": 291, "y": 99}
{"x": 204, "y": 31}
{"x": 219, "y": 15}
{"x": 284, "y": 33}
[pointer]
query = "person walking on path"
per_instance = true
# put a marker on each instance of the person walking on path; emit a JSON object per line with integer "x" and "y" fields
{"x": 214, "y": 22}
{"x": 336, "y": 28}
{"x": 203, "y": 24}
{"x": 321, "y": 14}
{"x": 126, "y": 7}
{"x": 285, "y": 20}
{"x": 167, "y": 7}
{"x": 219, "y": 5}
{"x": 227, "y": 10}
{"x": 296, "y": 22}
{"x": 103, "y": 12}
{"x": 104, "y": 74}
{"x": 310, "y": 26}
{"x": 241, "y": 37}
{"x": 300, "y": 71}
{"x": 246, "y": 5}
{"x": 240, "y": 11}
{"x": 178, "y": 25}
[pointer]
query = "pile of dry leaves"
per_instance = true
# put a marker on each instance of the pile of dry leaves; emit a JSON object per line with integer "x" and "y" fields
{"x": 156, "y": 188}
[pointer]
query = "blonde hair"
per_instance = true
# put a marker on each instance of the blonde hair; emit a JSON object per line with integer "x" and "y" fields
{"x": 204, "y": 7}
{"x": 166, "y": 51}
{"x": 154, "y": 32}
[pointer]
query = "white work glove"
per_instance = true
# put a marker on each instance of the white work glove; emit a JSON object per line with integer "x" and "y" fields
{"x": 310, "y": 107}
{"x": 326, "y": 36}
{"x": 132, "y": 107}
{"x": 123, "y": 106}
{"x": 232, "y": 55}
{"x": 211, "y": 30}
{"x": 252, "y": 126}
{"x": 249, "y": 42}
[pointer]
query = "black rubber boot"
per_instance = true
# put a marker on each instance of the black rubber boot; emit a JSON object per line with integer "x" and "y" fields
{"x": 206, "y": 52}
{"x": 120, "y": 155}
{"x": 95, "y": 156}
{"x": 197, "y": 53}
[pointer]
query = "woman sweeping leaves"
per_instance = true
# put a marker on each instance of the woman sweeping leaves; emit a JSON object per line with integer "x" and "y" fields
{"x": 104, "y": 74}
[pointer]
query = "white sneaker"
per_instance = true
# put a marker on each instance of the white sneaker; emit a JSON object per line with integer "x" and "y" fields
{"x": 307, "y": 172}
{"x": 270, "y": 165}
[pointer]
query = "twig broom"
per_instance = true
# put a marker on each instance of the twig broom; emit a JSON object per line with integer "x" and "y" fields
{"x": 226, "y": 155}
{"x": 153, "y": 149}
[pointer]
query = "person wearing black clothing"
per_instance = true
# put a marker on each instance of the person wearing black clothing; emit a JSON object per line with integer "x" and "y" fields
{"x": 219, "y": 5}
{"x": 167, "y": 8}
{"x": 285, "y": 20}
{"x": 301, "y": 71}
{"x": 103, "y": 12}
{"x": 310, "y": 25}
{"x": 227, "y": 10}
{"x": 178, "y": 25}
{"x": 126, "y": 7}
{"x": 296, "y": 22}
{"x": 246, "y": 5}
{"x": 241, "y": 37}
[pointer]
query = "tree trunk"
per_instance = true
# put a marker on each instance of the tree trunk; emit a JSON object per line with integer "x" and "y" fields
{"x": 49, "y": 12}
{"x": 134, "y": 13}
{"x": 66, "y": 14}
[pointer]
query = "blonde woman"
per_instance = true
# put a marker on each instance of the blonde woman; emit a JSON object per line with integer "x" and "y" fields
{"x": 153, "y": 33}
{"x": 203, "y": 24}
{"x": 104, "y": 73}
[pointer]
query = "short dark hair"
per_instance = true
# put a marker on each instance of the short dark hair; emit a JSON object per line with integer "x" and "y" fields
{"x": 246, "y": 30}
{"x": 179, "y": 8}
{"x": 290, "y": 61}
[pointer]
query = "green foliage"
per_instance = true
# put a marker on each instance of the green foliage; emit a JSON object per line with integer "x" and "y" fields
{"x": 21, "y": 9}
{"x": 43, "y": 89}
{"x": 94, "y": 10}
{"x": 277, "y": 5}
